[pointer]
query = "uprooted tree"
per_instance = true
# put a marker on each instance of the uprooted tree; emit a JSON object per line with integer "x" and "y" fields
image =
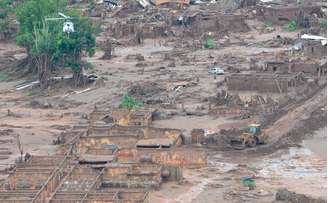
{"x": 48, "y": 47}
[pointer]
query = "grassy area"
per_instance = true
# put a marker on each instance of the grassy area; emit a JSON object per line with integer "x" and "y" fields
{"x": 4, "y": 77}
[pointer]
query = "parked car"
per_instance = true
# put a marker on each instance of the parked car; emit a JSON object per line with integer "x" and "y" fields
{"x": 216, "y": 71}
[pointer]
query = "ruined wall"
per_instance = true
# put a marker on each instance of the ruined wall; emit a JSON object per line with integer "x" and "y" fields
{"x": 28, "y": 180}
{"x": 314, "y": 49}
{"x": 219, "y": 23}
{"x": 311, "y": 68}
{"x": 132, "y": 176}
{"x": 115, "y": 131}
{"x": 162, "y": 133}
{"x": 123, "y": 136}
{"x": 257, "y": 83}
{"x": 97, "y": 141}
{"x": 279, "y": 67}
{"x": 283, "y": 14}
{"x": 185, "y": 157}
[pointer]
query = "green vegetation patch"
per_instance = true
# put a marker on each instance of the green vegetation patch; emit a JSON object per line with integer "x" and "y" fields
{"x": 129, "y": 102}
{"x": 291, "y": 26}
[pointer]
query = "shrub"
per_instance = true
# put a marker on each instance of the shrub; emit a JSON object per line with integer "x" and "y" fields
{"x": 129, "y": 102}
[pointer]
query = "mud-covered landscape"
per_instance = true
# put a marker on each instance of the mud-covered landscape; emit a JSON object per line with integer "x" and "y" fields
{"x": 175, "y": 102}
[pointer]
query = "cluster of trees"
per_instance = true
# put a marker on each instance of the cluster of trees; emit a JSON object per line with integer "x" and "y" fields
{"x": 48, "y": 47}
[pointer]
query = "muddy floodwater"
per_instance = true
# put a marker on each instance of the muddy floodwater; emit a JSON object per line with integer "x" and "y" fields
{"x": 318, "y": 143}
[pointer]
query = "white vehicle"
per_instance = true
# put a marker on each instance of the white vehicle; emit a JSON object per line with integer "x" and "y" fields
{"x": 216, "y": 71}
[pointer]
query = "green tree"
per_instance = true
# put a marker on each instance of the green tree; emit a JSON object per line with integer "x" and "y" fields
{"x": 42, "y": 50}
{"x": 31, "y": 15}
{"x": 37, "y": 36}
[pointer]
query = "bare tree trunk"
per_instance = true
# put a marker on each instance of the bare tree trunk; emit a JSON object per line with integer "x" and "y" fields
{"x": 109, "y": 49}
{"x": 43, "y": 62}
{"x": 78, "y": 78}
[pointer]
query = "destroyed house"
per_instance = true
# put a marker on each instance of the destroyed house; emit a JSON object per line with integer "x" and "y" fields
{"x": 263, "y": 82}
{"x": 283, "y": 14}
